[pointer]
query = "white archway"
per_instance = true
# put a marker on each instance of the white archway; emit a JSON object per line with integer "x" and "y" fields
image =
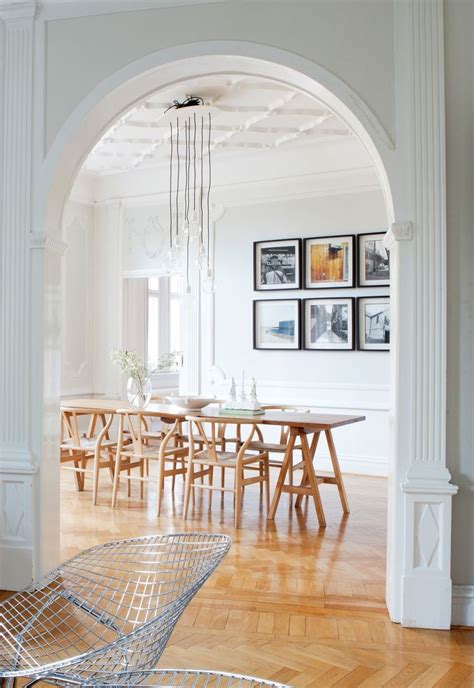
{"x": 114, "y": 96}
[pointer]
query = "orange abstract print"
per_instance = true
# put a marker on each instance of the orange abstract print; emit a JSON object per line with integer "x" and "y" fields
{"x": 329, "y": 262}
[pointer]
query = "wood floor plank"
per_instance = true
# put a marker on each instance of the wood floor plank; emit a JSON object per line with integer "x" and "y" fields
{"x": 291, "y": 602}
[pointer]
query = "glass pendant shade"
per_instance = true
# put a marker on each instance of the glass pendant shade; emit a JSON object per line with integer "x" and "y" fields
{"x": 190, "y": 178}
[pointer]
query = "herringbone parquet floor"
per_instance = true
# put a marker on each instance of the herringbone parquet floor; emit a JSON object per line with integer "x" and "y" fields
{"x": 291, "y": 602}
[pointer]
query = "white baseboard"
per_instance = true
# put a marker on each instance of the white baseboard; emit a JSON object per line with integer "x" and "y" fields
{"x": 463, "y": 605}
{"x": 359, "y": 465}
{"x": 16, "y": 565}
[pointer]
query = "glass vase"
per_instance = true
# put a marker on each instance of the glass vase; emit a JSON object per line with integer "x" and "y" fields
{"x": 139, "y": 391}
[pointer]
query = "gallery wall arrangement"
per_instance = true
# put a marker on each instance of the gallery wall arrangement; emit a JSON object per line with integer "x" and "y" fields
{"x": 322, "y": 324}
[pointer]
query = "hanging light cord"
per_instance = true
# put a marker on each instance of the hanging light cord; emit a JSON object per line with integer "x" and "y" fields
{"x": 171, "y": 185}
{"x": 177, "y": 181}
{"x": 209, "y": 196}
{"x": 201, "y": 191}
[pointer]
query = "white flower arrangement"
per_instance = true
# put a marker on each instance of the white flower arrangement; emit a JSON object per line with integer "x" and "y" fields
{"x": 130, "y": 364}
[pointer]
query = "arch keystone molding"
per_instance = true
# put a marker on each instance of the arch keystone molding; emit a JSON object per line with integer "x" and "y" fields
{"x": 412, "y": 175}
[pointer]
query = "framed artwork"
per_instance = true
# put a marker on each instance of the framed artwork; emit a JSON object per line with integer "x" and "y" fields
{"x": 374, "y": 323}
{"x": 329, "y": 324}
{"x": 329, "y": 262}
{"x": 374, "y": 260}
{"x": 277, "y": 264}
{"x": 276, "y": 324}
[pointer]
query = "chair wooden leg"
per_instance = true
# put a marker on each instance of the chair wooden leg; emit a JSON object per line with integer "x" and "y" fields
{"x": 160, "y": 484}
{"x": 116, "y": 483}
{"x": 266, "y": 473}
{"x": 142, "y": 475}
{"x": 187, "y": 488}
{"x": 95, "y": 478}
{"x": 238, "y": 498}
{"x": 211, "y": 481}
{"x": 129, "y": 482}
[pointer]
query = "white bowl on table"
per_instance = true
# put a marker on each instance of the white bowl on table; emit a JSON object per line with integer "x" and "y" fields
{"x": 188, "y": 402}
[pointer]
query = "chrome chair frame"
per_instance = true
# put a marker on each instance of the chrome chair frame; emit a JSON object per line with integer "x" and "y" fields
{"x": 197, "y": 678}
{"x": 108, "y": 611}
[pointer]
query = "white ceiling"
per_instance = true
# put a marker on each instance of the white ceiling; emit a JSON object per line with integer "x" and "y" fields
{"x": 249, "y": 115}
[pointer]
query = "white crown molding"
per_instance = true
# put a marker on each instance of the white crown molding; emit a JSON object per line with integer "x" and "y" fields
{"x": 69, "y": 9}
{"x": 313, "y": 185}
{"x": 41, "y": 240}
{"x": 17, "y": 10}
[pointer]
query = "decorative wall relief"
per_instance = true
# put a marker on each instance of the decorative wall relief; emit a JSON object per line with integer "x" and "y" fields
{"x": 145, "y": 242}
{"x": 427, "y": 535}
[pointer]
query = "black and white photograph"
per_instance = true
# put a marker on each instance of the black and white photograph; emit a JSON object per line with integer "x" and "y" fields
{"x": 329, "y": 324}
{"x": 374, "y": 260}
{"x": 277, "y": 264}
{"x": 276, "y": 324}
{"x": 374, "y": 323}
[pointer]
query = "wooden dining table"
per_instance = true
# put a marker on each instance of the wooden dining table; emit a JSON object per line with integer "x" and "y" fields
{"x": 302, "y": 426}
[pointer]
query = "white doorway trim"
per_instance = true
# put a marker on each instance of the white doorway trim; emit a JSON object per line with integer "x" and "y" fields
{"x": 412, "y": 177}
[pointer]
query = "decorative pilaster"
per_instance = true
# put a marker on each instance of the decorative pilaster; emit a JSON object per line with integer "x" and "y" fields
{"x": 17, "y": 465}
{"x": 424, "y": 479}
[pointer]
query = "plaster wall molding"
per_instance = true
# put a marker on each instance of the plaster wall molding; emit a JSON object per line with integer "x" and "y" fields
{"x": 15, "y": 222}
{"x": 19, "y": 11}
{"x": 46, "y": 242}
{"x": 399, "y": 231}
{"x": 426, "y": 491}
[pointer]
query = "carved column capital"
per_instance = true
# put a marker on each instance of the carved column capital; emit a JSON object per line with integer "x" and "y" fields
{"x": 42, "y": 240}
{"x": 399, "y": 231}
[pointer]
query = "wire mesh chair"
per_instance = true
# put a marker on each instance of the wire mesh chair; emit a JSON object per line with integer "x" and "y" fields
{"x": 197, "y": 678}
{"x": 106, "y": 612}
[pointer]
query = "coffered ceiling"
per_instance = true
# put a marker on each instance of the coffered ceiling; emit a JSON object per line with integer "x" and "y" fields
{"x": 249, "y": 115}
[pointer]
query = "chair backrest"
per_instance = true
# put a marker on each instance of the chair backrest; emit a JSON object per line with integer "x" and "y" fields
{"x": 134, "y": 424}
{"x": 212, "y": 440}
{"x": 70, "y": 427}
{"x": 290, "y": 408}
{"x": 110, "y": 609}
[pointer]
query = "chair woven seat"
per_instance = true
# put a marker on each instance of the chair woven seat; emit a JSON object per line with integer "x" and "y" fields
{"x": 222, "y": 458}
{"x": 109, "y": 610}
{"x": 88, "y": 444}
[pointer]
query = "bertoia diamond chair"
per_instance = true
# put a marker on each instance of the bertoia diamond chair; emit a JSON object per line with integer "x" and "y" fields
{"x": 106, "y": 612}
{"x": 197, "y": 678}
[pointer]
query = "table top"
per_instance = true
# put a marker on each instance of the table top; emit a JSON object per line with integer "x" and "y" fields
{"x": 324, "y": 421}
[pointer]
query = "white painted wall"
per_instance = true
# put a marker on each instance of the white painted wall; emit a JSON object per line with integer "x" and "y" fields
{"x": 330, "y": 33}
{"x": 336, "y": 381}
{"x": 77, "y": 365}
{"x": 459, "y": 49}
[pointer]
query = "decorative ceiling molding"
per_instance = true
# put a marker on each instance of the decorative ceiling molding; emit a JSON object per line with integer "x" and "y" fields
{"x": 251, "y": 114}
{"x": 316, "y": 185}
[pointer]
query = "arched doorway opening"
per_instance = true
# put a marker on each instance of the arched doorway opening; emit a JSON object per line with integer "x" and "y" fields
{"x": 125, "y": 89}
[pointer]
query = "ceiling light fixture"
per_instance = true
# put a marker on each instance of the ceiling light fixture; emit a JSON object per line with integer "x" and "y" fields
{"x": 190, "y": 180}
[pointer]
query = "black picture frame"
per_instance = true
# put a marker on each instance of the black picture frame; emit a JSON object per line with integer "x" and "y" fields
{"x": 329, "y": 284}
{"x": 352, "y": 332}
{"x": 257, "y": 272}
{"x": 257, "y": 345}
{"x": 361, "y": 325}
{"x": 363, "y": 281}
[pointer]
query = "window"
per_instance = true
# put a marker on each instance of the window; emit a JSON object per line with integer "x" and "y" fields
{"x": 164, "y": 317}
